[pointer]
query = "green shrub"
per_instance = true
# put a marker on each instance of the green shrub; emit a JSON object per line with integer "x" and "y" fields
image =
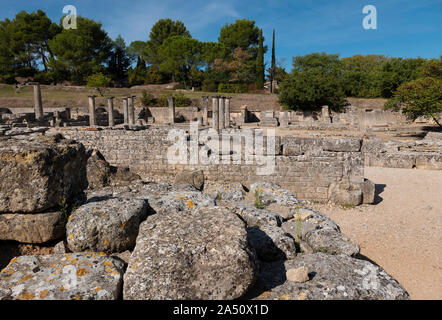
{"x": 180, "y": 100}
{"x": 98, "y": 81}
{"x": 209, "y": 86}
{"x": 258, "y": 199}
{"x": 232, "y": 88}
{"x": 147, "y": 99}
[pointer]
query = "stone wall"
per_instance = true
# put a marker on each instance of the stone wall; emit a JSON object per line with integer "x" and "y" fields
{"x": 311, "y": 167}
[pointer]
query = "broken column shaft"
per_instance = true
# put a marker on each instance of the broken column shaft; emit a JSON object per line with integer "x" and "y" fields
{"x": 215, "y": 117}
{"x": 126, "y": 111}
{"x": 221, "y": 112}
{"x": 171, "y": 103}
{"x": 110, "y": 111}
{"x": 38, "y": 104}
{"x": 92, "y": 120}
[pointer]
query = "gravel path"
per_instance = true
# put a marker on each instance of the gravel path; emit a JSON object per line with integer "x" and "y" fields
{"x": 403, "y": 231}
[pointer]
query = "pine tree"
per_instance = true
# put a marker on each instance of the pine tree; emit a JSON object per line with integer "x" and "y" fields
{"x": 273, "y": 68}
{"x": 260, "y": 63}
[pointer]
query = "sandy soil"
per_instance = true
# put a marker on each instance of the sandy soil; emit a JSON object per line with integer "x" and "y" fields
{"x": 403, "y": 231}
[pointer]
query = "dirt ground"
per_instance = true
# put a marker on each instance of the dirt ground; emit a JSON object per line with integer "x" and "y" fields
{"x": 403, "y": 232}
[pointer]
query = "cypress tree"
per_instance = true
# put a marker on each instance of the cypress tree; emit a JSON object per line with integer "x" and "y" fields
{"x": 260, "y": 63}
{"x": 273, "y": 67}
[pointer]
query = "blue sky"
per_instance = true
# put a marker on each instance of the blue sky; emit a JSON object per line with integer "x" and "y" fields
{"x": 405, "y": 28}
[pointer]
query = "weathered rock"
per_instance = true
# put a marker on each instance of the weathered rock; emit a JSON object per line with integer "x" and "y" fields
{"x": 109, "y": 225}
{"x": 320, "y": 233}
{"x": 271, "y": 243}
{"x": 258, "y": 217}
{"x": 32, "y": 228}
{"x": 298, "y": 274}
{"x": 331, "y": 277}
{"x": 194, "y": 178}
{"x": 61, "y": 247}
{"x": 179, "y": 201}
{"x": 201, "y": 254}
{"x": 368, "y": 191}
{"x": 342, "y": 145}
{"x": 62, "y": 277}
{"x": 37, "y": 172}
{"x": 225, "y": 192}
{"x": 101, "y": 174}
{"x": 331, "y": 242}
{"x": 98, "y": 170}
{"x": 345, "y": 195}
{"x": 273, "y": 193}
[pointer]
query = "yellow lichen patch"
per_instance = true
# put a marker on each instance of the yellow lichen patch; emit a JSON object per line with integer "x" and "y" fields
{"x": 44, "y": 294}
{"x": 71, "y": 236}
{"x": 82, "y": 272}
{"x": 13, "y": 260}
{"x": 105, "y": 242}
{"x": 96, "y": 290}
{"x": 163, "y": 239}
{"x": 115, "y": 272}
{"x": 264, "y": 294}
{"x": 115, "y": 207}
{"x": 108, "y": 263}
{"x": 134, "y": 267}
{"x": 69, "y": 218}
{"x": 301, "y": 296}
{"x": 123, "y": 225}
{"x": 77, "y": 298}
{"x": 95, "y": 209}
{"x": 25, "y": 296}
{"x": 109, "y": 270}
{"x": 27, "y": 158}
{"x": 62, "y": 288}
{"x": 240, "y": 213}
{"x": 285, "y": 297}
{"x": 227, "y": 188}
{"x": 181, "y": 198}
{"x": 190, "y": 204}
{"x": 101, "y": 254}
{"x": 103, "y": 213}
{"x": 25, "y": 278}
{"x": 8, "y": 271}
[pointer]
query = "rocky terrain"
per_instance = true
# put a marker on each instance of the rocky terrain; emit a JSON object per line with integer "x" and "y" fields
{"x": 119, "y": 237}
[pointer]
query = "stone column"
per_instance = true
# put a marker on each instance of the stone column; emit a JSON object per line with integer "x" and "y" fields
{"x": 244, "y": 114}
{"x": 126, "y": 111}
{"x": 110, "y": 111}
{"x": 326, "y": 114}
{"x": 92, "y": 121}
{"x": 38, "y": 105}
{"x": 171, "y": 103}
{"x": 227, "y": 113}
{"x": 130, "y": 103}
{"x": 215, "y": 117}
{"x": 205, "y": 110}
{"x": 284, "y": 119}
{"x": 221, "y": 112}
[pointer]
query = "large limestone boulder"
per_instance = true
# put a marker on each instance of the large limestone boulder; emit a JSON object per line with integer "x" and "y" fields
{"x": 273, "y": 193}
{"x": 320, "y": 233}
{"x": 62, "y": 277}
{"x": 37, "y": 172}
{"x": 233, "y": 191}
{"x": 101, "y": 174}
{"x": 200, "y": 254}
{"x": 192, "y": 177}
{"x": 258, "y": 217}
{"x": 331, "y": 277}
{"x": 271, "y": 243}
{"x": 32, "y": 228}
{"x": 109, "y": 225}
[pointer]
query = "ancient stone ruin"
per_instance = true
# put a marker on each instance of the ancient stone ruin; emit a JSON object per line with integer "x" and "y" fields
{"x": 124, "y": 222}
